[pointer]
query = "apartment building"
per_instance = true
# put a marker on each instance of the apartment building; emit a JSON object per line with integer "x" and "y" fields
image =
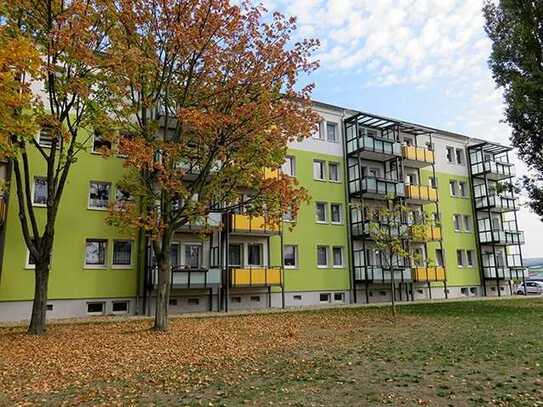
{"x": 472, "y": 246}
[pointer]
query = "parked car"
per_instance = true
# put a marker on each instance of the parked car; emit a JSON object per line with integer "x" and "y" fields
{"x": 532, "y": 287}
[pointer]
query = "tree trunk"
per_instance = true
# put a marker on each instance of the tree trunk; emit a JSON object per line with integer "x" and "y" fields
{"x": 163, "y": 293}
{"x": 39, "y": 306}
{"x": 393, "y": 294}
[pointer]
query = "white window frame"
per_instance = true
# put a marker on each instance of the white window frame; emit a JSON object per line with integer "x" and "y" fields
{"x": 122, "y": 266}
{"x": 39, "y": 205}
{"x": 323, "y": 170}
{"x": 96, "y": 266}
{"x": 462, "y": 258}
{"x": 292, "y": 165}
{"x": 184, "y": 254}
{"x": 462, "y": 189}
{"x": 442, "y": 262}
{"x": 325, "y": 206}
{"x": 340, "y": 222}
{"x": 288, "y": 217}
{"x": 472, "y": 263}
{"x": 320, "y": 134}
{"x": 327, "y": 301}
{"x": 261, "y": 251}
{"x": 94, "y": 137}
{"x": 29, "y": 266}
{"x": 96, "y": 313}
{"x": 460, "y": 222}
{"x": 453, "y": 187}
{"x": 452, "y": 159}
{"x": 468, "y": 223}
{"x": 336, "y": 164}
{"x": 98, "y": 208}
{"x": 336, "y": 131}
{"x": 296, "y": 261}
{"x": 462, "y": 156}
{"x": 342, "y": 297}
{"x": 338, "y": 266}
{"x": 120, "y": 312}
{"x": 327, "y": 265}
{"x": 242, "y": 251}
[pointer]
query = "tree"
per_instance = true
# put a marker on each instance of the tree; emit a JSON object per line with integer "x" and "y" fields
{"x": 516, "y": 61}
{"x": 49, "y": 54}
{"x": 206, "y": 93}
{"x": 391, "y": 227}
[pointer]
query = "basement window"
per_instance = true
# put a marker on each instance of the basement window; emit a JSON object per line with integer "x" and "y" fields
{"x": 95, "y": 308}
{"x": 193, "y": 301}
{"x": 173, "y": 302}
{"x": 473, "y": 290}
{"x": 297, "y": 298}
{"x": 120, "y": 307}
{"x": 339, "y": 297}
{"x": 324, "y": 297}
{"x": 255, "y": 298}
{"x": 49, "y": 307}
{"x": 236, "y": 300}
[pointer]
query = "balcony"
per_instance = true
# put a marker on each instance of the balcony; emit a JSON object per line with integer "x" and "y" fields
{"x": 417, "y": 157}
{"x": 255, "y": 277}
{"x": 270, "y": 173}
{"x": 420, "y": 194}
{"x": 363, "y": 229}
{"x": 494, "y": 170}
{"x": 425, "y": 274}
{"x": 502, "y": 237}
{"x": 376, "y": 188}
{"x": 377, "y": 274}
{"x": 373, "y": 147}
{"x": 429, "y": 234}
{"x": 249, "y": 224}
{"x": 497, "y": 203}
{"x": 187, "y": 277}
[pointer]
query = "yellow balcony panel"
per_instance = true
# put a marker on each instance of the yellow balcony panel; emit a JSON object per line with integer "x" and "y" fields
{"x": 271, "y": 173}
{"x": 418, "y": 156}
{"x": 252, "y": 224}
{"x": 428, "y": 234}
{"x": 429, "y": 274}
{"x": 421, "y": 193}
{"x": 255, "y": 277}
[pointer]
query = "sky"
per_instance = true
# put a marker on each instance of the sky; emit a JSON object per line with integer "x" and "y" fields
{"x": 423, "y": 61}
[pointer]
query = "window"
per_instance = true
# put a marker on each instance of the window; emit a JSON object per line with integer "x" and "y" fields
{"x": 322, "y": 256}
{"x": 290, "y": 256}
{"x": 439, "y": 258}
{"x": 100, "y": 143}
{"x": 46, "y": 137}
{"x": 470, "y": 258}
{"x": 173, "y": 302}
{"x": 468, "y": 226}
{"x": 457, "y": 220}
{"x": 460, "y": 258}
{"x": 95, "y": 308}
{"x": 255, "y": 254}
{"x": 297, "y": 297}
{"x": 460, "y": 156}
{"x": 288, "y": 216}
{"x": 193, "y": 256}
{"x": 235, "y": 255}
{"x": 453, "y": 186}
{"x": 120, "y": 307}
{"x": 432, "y": 181}
{"x": 463, "y": 190}
{"x": 30, "y": 262}
{"x": 408, "y": 141}
{"x": 255, "y": 298}
{"x": 236, "y": 300}
{"x": 99, "y": 195}
{"x": 333, "y": 172}
{"x": 336, "y": 213}
{"x": 320, "y": 212}
{"x": 324, "y": 297}
{"x": 289, "y": 166}
{"x": 174, "y": 254}
{"x": 193, "y": 301}
{"x": 124, "y": 138}
{"x": 318, "y": 170}
{"x": 49, "y": 307}
{"x": 331, "y": 132}
{"x": 122, "y": 195}
{"x": 95, "y": 252}
{"x": 337, "y": 256}
{"x": 320, "y": 134}
{"x": 40, "y": 191}
{"x": 339, "y": 297}
{"x": 122, "y": 253}
{"x": 450, "y": 154}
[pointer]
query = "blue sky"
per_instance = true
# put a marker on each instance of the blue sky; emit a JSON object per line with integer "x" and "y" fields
{"x": 418, "y": 60}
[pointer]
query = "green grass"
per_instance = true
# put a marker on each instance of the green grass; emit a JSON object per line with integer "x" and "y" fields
{"x": 446, "y": 354}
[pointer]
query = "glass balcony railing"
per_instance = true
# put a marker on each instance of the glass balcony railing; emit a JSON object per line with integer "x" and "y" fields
{"x": 377, "y": 186}
{"x": 499, "y": 202}
{"x": 378, "y": 145}
{"x": 429, "y": 273}
{"x": 257, "y": 276}
{"x": 498, "y": 272}
{"x": 188, "y": 277}
{"x": 495, "y": 170}
{"x": 500, "y": 236}
{"x": 423, "y": 193}
{"x": 241, "y": 223}
{"x": 419, "y": 156}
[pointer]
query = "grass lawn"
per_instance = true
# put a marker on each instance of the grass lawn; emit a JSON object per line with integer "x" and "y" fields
{"x": 447, "y": 354}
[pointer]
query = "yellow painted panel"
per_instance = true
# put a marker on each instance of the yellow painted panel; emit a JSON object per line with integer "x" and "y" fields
{"x": 256, "y": 276}
{"x": 418, "y": 154}
{"x": 429, "y": 274}
{"x": 252, "y": 223}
